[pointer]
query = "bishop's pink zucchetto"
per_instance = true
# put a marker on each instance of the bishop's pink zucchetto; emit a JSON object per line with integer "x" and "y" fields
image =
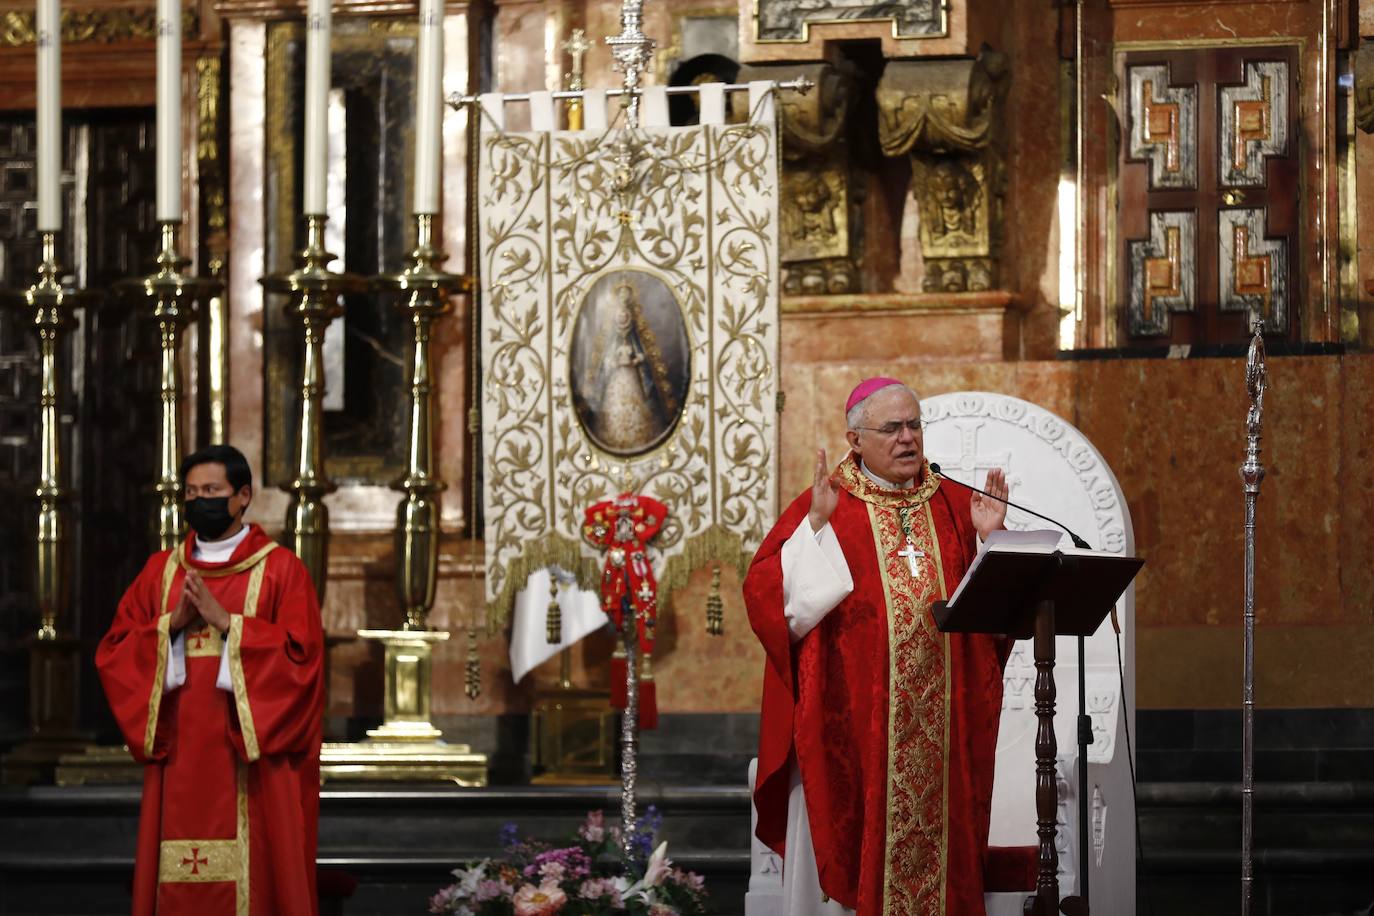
{"x": 867, "y": 387}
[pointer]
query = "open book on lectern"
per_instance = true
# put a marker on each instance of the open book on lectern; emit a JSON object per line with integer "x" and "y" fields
{"x": 1014, "y": 570}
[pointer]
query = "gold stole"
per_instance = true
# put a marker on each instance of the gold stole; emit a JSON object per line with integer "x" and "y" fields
{"x": 916, "y": 849}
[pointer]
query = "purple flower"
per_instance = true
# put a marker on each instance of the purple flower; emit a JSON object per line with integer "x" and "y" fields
{"x": 567, "y": 862}
{"x": 509, "y": 836}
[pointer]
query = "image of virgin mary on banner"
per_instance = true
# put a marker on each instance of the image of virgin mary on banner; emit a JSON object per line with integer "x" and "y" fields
{"x": 629, "y": 332}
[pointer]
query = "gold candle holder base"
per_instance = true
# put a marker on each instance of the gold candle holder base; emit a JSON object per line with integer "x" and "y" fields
{"x": 403, "y": 762}
{"x": 573, "y": 735}
{"x": 406, "y": 747}
{"x": 98, "y": 765}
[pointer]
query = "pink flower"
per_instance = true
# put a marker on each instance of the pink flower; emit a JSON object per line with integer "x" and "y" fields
{"x": 596, "y": 888}
{"x": 491, "y": 890}
{"x": 662, "y": 909}
{"x": 594, "y": 829}
{"x": 544, "y": 900}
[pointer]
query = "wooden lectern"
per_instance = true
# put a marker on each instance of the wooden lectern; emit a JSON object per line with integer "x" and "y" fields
{"x": 1025, "y": 593}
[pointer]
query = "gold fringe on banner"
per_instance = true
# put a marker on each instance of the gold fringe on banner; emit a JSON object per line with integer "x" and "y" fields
{"x": 549, "y": 550}
{"x": 716, "y": 544}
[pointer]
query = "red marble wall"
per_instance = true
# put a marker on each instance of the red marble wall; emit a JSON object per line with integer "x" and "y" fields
{"x": 1173, "y": 432}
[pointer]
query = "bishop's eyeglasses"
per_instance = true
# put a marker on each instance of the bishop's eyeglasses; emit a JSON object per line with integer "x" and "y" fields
{"x": 888, "y": 430}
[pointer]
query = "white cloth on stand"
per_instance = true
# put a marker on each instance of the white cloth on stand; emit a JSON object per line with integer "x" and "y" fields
{"x": 529, "y": 643}
{"x": 541, "y": 110}
{"x": 594, "y": 109}
{"x": 712, "y": 98}
{"x": 494, "y": 107}
{"x": 654, "y": 107}
{"x": 761, "y": 105}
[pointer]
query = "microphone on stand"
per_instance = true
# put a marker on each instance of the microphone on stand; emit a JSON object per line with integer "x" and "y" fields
{"x": 1085, "y": 724}
{"x": 1077, "y": 541}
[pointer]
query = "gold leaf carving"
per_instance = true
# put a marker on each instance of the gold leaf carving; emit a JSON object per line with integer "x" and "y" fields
{"x": 106, "y": 26}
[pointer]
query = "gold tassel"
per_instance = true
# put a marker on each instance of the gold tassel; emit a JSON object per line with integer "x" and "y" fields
{"x": 472, "y": 673}
{"x": 553, "y": 623}
{"x": 715, "y": 607}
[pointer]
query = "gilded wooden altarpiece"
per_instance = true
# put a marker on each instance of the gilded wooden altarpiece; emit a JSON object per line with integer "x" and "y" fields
{"x": 947, "y": 116}
{"x": 628, "y": 342}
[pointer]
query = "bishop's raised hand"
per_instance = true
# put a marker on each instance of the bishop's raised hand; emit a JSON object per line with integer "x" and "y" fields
{"x": 825, "y": 494}
{"x": 990, "y": 514}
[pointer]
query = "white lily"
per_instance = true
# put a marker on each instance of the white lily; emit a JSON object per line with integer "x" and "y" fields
{"x": 654, "y": 873}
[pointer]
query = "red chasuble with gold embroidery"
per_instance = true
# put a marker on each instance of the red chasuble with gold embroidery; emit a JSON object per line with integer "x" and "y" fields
{"x": 892, "y": 723}
{"x": 231, "y": 793}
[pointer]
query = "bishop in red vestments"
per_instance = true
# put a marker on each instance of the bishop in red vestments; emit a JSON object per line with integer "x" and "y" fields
{"x": 878, "y": 732}
{"x": 213, "y": 669}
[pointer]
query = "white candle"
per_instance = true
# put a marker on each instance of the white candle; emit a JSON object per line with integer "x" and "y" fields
{"x": 49, "y": 29}
{"x": 168, "y": 110}
{"x": 429, "y": 105}
{"x": 317, "y": 27}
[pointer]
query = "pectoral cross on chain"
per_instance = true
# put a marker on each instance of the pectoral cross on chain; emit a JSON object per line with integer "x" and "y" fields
{"x": 910, "y": 554}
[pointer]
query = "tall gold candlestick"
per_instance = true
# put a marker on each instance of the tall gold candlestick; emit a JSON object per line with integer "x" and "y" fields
{"x": 407, "y": 746}
{"x": 314, "y": 302}
{"x": 172, "y": 295}
{"x": 52, "y": 319}
{"x": 54, "y": 653}
{"x": 427, "y": 291}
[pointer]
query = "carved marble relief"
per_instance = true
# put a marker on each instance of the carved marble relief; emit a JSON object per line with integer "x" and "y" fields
{"x": 819, "y": 193}
{"x": 1162, "y": 272}
{"x": 1253, "y": 123}
{"x": 790, "y": 20}
{"x": 945, "y": 115}
{"x": 1252, "y": 270}
{"x": 1163, "y": 126}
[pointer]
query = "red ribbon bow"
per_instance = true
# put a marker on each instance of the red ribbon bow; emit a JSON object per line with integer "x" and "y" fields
{"x": 622, "y": 527}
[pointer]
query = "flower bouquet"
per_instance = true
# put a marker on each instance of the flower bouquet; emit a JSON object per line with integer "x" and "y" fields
{"x": 591, "y": 876}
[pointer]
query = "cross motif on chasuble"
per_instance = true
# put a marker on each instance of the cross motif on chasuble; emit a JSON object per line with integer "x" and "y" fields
{"x": 195, "y": 860}
{"x": 196, "y": 638}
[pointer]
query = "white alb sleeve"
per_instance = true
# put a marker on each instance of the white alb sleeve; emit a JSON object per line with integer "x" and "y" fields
{"x": 815, "y": 577}
{"x": 222, "y": 680}
{"x": 176, "y": 664}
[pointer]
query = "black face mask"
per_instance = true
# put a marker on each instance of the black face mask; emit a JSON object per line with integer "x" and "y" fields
{"x": 209, "y": 516}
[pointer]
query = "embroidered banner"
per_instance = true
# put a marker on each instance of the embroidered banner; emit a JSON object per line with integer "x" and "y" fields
{"x": 629, "y": 334}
